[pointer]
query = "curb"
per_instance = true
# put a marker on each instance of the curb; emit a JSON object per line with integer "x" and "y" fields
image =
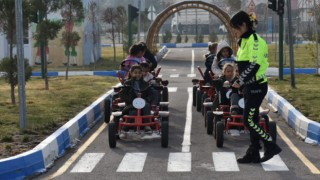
{"x": 307, "y": 129}
{"x": 53, "y": 147}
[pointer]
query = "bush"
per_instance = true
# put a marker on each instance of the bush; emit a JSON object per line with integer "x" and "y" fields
{"x": 186, "y": 39}
{"x": 213, "y": 37}
{"x": 179, "y": 38}
{"x": 198, "y": 38}
{"x": 166, "y": 38}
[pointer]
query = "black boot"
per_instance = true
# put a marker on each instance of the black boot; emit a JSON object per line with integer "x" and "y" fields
{"x": 271, "y": 149}
{"x": 252, "y": 156}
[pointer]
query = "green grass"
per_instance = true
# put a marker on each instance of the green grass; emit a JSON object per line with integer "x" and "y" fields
{"x": 47, "y": 110}
{"x": 305, "y": 98}
{"x": 304, "y": 56}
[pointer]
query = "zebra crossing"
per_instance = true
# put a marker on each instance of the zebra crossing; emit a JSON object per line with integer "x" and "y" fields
{"x": 177, "y": 162}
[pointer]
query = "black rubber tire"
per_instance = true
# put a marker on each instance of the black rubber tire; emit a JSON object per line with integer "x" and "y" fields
{"x": 209, "y": 122}
{"x": 199, "y": 96}
{"x": 164, "y": 134}
{"x": 107, "y": 110}
{"x": 165, "y": 119}
{"x": 194, "y": 95}
{"x": 220, "y": 129}
{"x": 164, "y": 108}
{"x": 203, "y": 98}
{"x": 112, "y": 131}
{"x": 273, "y": 131}
{"x": 216, "y": 119}
{"x": 165, "y": 94}
{"x": 206, "y": 109}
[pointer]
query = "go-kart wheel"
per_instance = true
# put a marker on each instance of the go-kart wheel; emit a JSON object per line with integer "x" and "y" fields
{"x": 273, "y": 131}
{"x": 219, "y": 132}
{"x": 165, "y": 108}
{"x": 203, "y": 98}
{"x": 165, "y": 95}
{"x": 206, "y": 109}
{"x": 216, "y": 119}
{"x": 194, "y": 95}
{"x": 112, "y": 135}
{"x": 107, "y": 110}
{"x": 199, "y": 103}
{"x": 165, "y": 119}
{"x": 209, "y": 122}
{"x": 164, "y": 133}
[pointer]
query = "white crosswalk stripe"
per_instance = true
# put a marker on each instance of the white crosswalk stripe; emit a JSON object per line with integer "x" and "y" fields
{"x": 172, "y": 89}
{"x": 225, "y": 161}
{"x": 174, "y": 75}
{"x": 179, "y": 162}
{"x": 132, "y": 162}
{"x": 274, "y": 164}
{"x": 87, "y": 163}
{"x": 191, "y": 75}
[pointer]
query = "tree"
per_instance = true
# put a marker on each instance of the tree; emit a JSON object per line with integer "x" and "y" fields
{"x": 109, "y": 17}
{"x": 92, "y": 16}
{"x": 166, "y": 38}
{"x": 71, "y": 11}
{"x": 179, "y": 38}
{"x": 235, "y": 5}
{"x": 10, "y": 67}
{"x": 121, "y": 21}
{"x": 8, "y": 28}
{"x": 46, "y": 29}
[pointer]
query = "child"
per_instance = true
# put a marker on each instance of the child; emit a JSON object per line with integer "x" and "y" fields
{"x": 132, "y": 87}
{"x": 148, "y": 77}
{"x": 209, "y": 60}
{"x": 235, "y": 94}
{"x": 222, "y": 85}
{"x": 224, "y": 55}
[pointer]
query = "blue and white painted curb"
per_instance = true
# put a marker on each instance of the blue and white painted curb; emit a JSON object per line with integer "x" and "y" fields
{"x": 43, "y": 155}
{"x": 307, "y": 129}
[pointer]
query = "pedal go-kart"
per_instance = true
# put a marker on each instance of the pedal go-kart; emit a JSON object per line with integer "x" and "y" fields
{"x": 220, "y": 122}
{"x": 201, "y": 92}
{"x": 158, "y": 121}
{"x": 111, "y": 103}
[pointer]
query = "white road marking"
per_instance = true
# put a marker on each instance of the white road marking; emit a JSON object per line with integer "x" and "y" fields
{"x": 274, "y": 164}
{"x": 187, "y": 129}
{"x": 225, "y": 161}
{"x": 160, "y": 76}
{"x": 87, "y": 163}
{"x": 191, "y": 75}
{"x": 179, "y": 162}
{"x": 173, "y": 69}
{"x": 132, "y": 162}
{"x": 192, "y": 62}
{"x": 172, "y": 89}
{"x": 174, "y": 75}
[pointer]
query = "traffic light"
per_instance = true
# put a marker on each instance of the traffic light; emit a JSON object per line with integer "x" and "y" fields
{"x": 272, "y": 4}
{"x": 133, "y": 12}
{"x": 280, "y": 7}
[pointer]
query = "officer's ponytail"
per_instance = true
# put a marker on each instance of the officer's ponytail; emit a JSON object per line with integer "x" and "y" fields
{"x": 242, "y": 17}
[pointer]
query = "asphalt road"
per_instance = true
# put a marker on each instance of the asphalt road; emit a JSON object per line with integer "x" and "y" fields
{"x": 192, "y": 154}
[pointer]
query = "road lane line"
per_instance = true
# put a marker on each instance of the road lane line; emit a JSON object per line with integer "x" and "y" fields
{"x": 172, "y": 89}
{"x": 192, "y": 62}
{"x": 296, "y": 151}
{"x": 225, "y": 161}
{"x": 132, "y": 162}
{"x": 187, "y": 129}
{"x": 191, "y": 75}
{"x": 174, "y": 75}
{"x": 87, "y": 163}
{"x": 179, "y": 162}
{"x": 75, "y": 156}
{"x": 274, "y": 164}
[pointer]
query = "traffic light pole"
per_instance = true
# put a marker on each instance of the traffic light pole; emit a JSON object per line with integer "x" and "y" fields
{"x": 280, "y": 47}
{"x": 21, "y": 68}
{"x": 293, "y": 83}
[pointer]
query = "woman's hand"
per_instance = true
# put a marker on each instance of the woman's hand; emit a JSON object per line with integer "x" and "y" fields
{"x": 236, "y": 85}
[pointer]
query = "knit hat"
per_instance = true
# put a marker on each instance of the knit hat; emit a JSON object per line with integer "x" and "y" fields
{"x": 223, "y": 44}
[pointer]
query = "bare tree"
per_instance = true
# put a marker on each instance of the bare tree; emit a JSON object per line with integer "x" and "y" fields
{"x": 109, "y": 17}
{"x": 92, "y": 16}
{"x": 121, "y": 21}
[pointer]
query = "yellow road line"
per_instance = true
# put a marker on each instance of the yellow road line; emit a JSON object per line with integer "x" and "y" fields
{"x": 75, "y": 156}
{"x": 296, "y": 151}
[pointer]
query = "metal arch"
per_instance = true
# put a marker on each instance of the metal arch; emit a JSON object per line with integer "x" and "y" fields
{"x": 165, "y": 14}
